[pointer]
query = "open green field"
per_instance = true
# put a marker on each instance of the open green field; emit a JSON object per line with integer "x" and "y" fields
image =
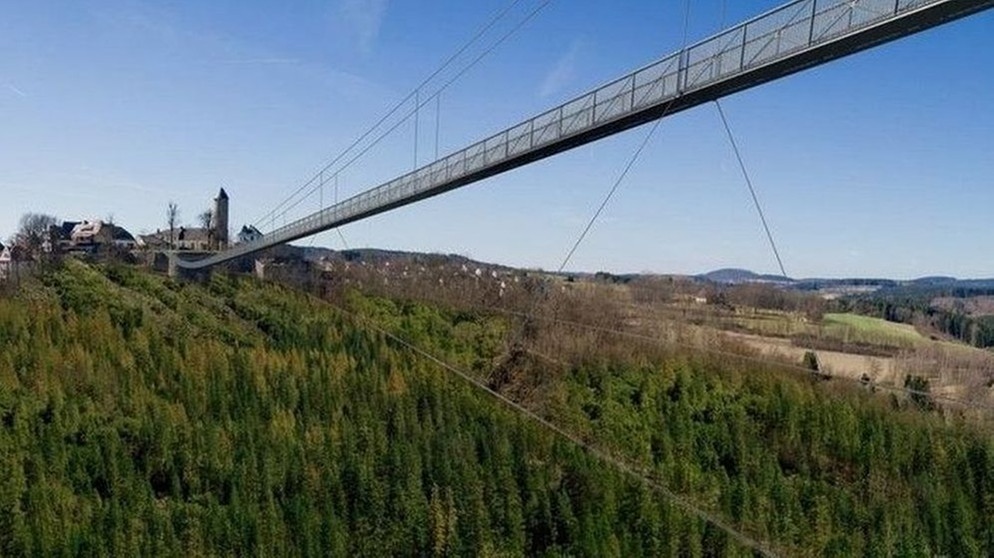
{"x": 853, "y": 328}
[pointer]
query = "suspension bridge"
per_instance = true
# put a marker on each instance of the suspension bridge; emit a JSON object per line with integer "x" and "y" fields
{"x": 798, "y": 35}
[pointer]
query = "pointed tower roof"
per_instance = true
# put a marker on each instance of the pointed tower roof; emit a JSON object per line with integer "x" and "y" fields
{"x": 222, "y": 195}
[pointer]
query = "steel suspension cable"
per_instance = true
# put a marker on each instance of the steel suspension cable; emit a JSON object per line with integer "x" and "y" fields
{"x": 614, "y": 188}
{"x": 439, "y": 91}
{"x": 632, "y": 160}
{"x": 621, "y": 177}
{"x": 602, "y": 455}
{"x": 740, "y": 356}
{"x": 493, "y": 21}
{"x": 752, "y": 190}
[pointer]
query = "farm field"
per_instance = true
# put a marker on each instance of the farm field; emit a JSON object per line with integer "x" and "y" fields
{"x": 864, "y": 329}
{"x": 846, "y": 345}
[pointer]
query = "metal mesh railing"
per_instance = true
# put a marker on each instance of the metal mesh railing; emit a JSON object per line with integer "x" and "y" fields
{"x": 771, "y": 37}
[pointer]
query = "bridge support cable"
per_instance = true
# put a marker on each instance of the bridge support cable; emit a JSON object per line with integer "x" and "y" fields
{"x": 798, "y": 35}
{"x": 961, "y": 403}
{"x": 438, "y": 121}
{"x": 984, "y": 413}
{"x": 636, "y": 473}
{"x": 499, "y": 15}
{"x": 631, "y": 161}
{"x": 439, "y": 91}
{"x": 517, "y": 342}
{"x": 614, "y": 188}
{"x": 417, "y": 117}
{"x": 341, "y": 234}
{"x": 686, "y": 24}
{"x": 752, "y": 189}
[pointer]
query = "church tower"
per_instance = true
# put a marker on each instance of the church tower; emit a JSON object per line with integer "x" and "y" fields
{"x": 221, "y": 220}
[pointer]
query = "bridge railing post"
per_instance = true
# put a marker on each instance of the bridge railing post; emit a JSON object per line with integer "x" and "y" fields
{"x": 631, "y": 104}
{"x": 742, "y": 55}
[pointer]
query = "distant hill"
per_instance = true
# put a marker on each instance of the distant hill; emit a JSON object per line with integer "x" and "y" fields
{"x": 935, "y": 287}
{"x": 376, "y": 256}
{"x": 953, "y": 283}
{"x": 937, "y": 280}
{"x": 734, "y": 276}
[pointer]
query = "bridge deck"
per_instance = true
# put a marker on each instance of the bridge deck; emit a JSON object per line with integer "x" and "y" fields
{"x": 795, "y": 36}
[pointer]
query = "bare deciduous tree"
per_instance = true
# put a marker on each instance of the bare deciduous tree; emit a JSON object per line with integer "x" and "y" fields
{"x": 206, "y": 218}
{"x": 172, "y": 217}
{"x": 33, "y": 232}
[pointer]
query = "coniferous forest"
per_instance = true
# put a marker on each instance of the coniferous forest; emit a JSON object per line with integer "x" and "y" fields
{"x": 142, "y": 416}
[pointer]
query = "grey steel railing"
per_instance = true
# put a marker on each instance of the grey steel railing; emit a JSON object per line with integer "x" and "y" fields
{"x": 795, "y": 28}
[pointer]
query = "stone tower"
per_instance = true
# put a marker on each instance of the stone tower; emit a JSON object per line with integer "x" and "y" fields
{"x": 221, "y": 220}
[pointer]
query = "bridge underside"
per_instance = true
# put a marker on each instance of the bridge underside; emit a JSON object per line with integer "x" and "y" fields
{"x": 791, "y": 38}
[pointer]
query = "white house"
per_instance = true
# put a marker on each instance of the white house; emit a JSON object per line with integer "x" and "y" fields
{"x": 5, "y": 257}
{"x": 249, "y": 234}
{"x": 91, "y": 236}
{"x": 193, "y": 238}
{"x": 123, "y": 239}
{"x": 90, "y": 233}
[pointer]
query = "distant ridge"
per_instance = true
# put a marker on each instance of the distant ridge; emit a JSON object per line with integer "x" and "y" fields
{"x": 723, "y": 276}
{"x": 733, "y": 276}
{"x": 934, "y": 281}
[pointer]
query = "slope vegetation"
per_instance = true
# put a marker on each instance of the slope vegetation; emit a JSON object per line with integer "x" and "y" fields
{"x": 139, "y": 416}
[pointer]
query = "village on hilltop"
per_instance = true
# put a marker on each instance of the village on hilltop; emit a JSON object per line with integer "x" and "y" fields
{"x": 46, "y": 236}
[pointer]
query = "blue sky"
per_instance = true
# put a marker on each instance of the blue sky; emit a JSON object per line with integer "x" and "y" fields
{"x": 880, "y": 164}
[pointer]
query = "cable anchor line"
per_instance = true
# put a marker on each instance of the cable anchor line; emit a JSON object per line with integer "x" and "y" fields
{"x": 752, "y": 190}
{"x": 452, "y": 58}
{"x": 605, "y": 457}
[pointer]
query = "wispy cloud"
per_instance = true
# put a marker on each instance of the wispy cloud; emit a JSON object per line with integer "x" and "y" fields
{"x": 14, "y": 187}
{"x": 262, "y": 60}
{"x": 358, "y": 18}
{"x": 31, "y": 192}
{"x": 94, "y": 180}
{"x": 364, "y": 18}
{"x": 15, "y": 90}
{"x": 561, "y": 73}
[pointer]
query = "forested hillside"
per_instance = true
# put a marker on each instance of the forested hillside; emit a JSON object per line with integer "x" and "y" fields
{"x": 139, "y": 416}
